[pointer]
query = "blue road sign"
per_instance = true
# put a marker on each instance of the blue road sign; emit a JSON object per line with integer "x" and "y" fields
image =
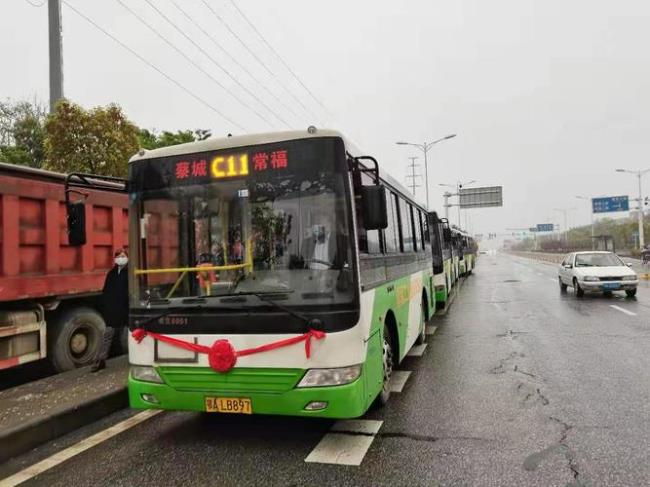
{"x": 545, "y": 227}
{"x": 610, "y": 203}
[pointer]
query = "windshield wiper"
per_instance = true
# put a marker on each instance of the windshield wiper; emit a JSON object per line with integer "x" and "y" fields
{"x": 313, "y": 323}
{"x": 264, "y": 296}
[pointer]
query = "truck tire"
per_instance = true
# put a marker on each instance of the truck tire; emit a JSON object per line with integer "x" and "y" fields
{"x": 74, "y": 338}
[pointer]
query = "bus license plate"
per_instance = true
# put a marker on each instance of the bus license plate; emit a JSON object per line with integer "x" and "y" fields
{"x": 236, "y": 405}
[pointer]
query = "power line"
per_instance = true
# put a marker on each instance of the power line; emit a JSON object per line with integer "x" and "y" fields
{"x": 259, "y": 34}
{"x": 190, "y": 60}
{"x": 154, "y": 67}
{"x": 252, "y": 53}
{"x": 207, "y": 54}
{"x": 232, "y": 58}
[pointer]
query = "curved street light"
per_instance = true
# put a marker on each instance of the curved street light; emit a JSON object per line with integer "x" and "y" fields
{"x": 424, "y": 147}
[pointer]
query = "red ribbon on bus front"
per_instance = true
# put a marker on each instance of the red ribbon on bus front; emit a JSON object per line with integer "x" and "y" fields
{"x": 222, "y": 356}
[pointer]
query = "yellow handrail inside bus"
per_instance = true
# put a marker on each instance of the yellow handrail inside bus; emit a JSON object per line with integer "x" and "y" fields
{"x": 233, "y": 267}
{"x": 178, "y": 281}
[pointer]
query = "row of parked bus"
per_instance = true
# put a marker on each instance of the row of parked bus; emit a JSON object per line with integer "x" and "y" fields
{"x": 454, "y": 256}
{"x": 278, "y": 273}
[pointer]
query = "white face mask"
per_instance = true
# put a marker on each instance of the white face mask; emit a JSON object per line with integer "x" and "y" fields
{"x": 121, "y": 261}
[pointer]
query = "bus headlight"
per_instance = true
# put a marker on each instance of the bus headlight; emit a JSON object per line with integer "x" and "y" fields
{"x": 145, "y": 374}
{"x": 330, "y": 377}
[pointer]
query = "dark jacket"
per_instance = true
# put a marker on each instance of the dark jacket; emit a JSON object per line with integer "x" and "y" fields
{"x": 115, "y": 298}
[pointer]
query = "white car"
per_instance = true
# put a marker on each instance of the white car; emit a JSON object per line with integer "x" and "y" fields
{"x": 597, "y": 271}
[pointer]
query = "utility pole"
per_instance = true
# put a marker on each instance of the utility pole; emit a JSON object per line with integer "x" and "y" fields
{"x": 565, "y": 212}
{"x": 446, "y": 204}
{"x": 412, "y": 177}
{"x": 413, "y": 184}
{"x": 56, "y": 57}
{"x": 639, "y": 175}
{"x": 591, "y": 212}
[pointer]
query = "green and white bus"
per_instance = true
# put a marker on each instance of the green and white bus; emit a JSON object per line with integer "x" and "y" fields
{"x": 468, "y": 254}
{"x": 456, "y": 250}
{"x": 279, "y": 273}
{"x": 442, "y": 259}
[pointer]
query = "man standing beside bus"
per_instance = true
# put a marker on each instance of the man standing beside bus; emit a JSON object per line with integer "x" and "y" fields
{"x": 115, "y": 305}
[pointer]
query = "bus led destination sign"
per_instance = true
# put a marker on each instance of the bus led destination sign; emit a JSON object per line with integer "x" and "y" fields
{"x": 231, "y": 165}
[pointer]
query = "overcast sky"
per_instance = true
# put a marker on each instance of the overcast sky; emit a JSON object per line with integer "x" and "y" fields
{"x": 547, "y": 96}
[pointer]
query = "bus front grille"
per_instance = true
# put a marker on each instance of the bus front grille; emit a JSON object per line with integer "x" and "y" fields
{"x": 237, "y": 380}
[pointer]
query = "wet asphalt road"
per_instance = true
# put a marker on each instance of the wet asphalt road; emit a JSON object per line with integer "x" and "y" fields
{"x": 520, "y": 385}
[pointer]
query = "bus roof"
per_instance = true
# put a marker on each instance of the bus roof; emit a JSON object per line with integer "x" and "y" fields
{"x": 213, "y": 144}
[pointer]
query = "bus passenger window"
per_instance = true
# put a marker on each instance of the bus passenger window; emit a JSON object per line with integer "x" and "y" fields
{"x": 405, "y": 225}
{"x": 391, "y": 233}
{"x": 423, "y": 230}
{"x": 417, "y": 233}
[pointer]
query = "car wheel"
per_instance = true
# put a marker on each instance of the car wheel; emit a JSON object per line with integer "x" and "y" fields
{"x": 630, "y": 293}
{"x": 577, "y": 289}
{"x": 562, "y": 285}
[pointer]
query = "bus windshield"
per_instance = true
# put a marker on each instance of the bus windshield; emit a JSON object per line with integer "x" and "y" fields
{"x": 255, "y": 220}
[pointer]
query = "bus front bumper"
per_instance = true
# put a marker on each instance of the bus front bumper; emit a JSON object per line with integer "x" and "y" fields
{"x": 344, "y": 401}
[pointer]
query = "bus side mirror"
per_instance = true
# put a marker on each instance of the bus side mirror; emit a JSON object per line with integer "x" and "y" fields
{"x": 76, "y": 223}
{"x": 373, "y": 207}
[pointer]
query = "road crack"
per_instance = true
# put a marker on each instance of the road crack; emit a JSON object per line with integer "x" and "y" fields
{"x": 428, "y": 438}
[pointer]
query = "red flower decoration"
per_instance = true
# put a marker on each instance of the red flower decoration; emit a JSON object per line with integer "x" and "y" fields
{"x": 222, "y": 356}
{"x": 138, "y": 334}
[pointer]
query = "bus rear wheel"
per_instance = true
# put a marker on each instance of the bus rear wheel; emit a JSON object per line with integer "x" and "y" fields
{"x": 423, "y": 323}
{"x": 387, "y": 366}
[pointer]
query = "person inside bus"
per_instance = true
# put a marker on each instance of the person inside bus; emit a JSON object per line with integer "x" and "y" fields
{"x": 114, "y": 304}
{"x": 320, "y": 250}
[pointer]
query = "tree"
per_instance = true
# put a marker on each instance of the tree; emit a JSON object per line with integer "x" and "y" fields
{"x": 22, "y": 133}
{"x": 97, "y": 141}
{"x": 149, "y": 139}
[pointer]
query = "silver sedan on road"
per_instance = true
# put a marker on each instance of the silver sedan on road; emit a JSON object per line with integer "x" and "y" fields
{"x": 596, "y": 271}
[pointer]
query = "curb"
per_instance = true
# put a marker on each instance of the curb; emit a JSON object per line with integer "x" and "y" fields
{"x": 23, "y": 438}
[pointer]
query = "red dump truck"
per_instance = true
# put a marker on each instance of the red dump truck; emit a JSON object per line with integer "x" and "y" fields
{"x": 49, "y": 290}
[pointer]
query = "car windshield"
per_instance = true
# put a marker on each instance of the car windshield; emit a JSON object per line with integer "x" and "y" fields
{"x": 598, "y": 260}
{"x": 273, "y": 231}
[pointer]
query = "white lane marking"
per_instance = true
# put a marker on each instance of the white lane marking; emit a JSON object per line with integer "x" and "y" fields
{"x": 430, "y": 329}
{"x": 76, "y": 449}
{"x": 341, "y": 449}
{"x": 364, "y": 426}
{"x": 622, "y": 310}
{"x": 417, "y": 350}
{"x": 398, "y": 380}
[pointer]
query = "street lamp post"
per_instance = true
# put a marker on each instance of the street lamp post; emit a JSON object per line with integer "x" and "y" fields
{"x": 424, "y": 147}
{"x": 591, "y": 212}
{"x": 639, "y": 174}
